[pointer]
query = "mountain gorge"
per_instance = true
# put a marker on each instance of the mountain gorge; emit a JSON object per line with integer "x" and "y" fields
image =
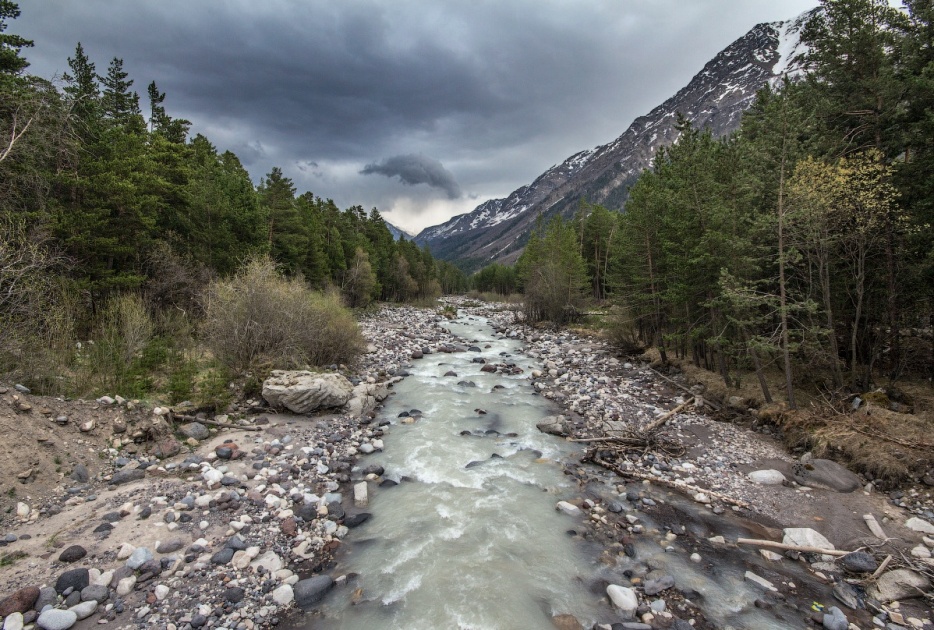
{"x": 497, "y": 230}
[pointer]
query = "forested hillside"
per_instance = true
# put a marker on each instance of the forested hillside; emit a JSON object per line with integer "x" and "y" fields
{"x": 104, "y": 195}
{"x": 803, "y": 241}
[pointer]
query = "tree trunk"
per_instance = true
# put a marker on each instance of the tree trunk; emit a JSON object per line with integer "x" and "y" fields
{"x": 828, "y": 308}
{"x": 758, "y": 366}
{"x": 783, "y": 299}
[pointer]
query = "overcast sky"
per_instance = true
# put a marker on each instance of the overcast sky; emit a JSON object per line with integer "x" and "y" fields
{"x": 422, "y": 109}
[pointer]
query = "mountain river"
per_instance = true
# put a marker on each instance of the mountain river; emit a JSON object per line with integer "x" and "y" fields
{"x": 470, "y": 538}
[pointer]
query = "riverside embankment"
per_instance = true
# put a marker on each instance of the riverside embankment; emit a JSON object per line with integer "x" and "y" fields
{"x": 267, "y": 525}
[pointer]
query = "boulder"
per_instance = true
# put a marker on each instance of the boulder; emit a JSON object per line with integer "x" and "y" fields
{"x": 194, "y": 430}
{"x": 554, "y": 425}
{"x": 76, "y": 579}
{"x": 899, "y": 584}
{"x": 624, "y": 598}
{"x": 20, "y": 601}
{"x": 921, "y": 526}
{"x": 365, "y": 397}
{"x": 55, "y": 619}
{"x": 825, "y": 473}
{"x": 303, "y": 392}
{"x": 310, "y": 591}
{"x": 769, "y": 477}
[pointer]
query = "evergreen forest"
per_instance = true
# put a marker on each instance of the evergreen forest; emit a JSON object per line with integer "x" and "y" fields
{"x": 801, "y": 243}
{"x": 117, "y": 223}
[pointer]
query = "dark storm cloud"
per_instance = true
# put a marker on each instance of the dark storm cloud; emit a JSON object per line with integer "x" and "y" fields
{"x": 497, "y": 91}
{"x": 416, "y": 169}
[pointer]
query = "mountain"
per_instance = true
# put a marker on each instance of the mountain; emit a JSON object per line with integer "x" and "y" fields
{"x": 716, "y": 97}
{"x": 397, "y": 233}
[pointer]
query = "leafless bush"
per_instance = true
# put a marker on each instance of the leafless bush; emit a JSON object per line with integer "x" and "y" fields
{"x": 622, "y": 331}
{"x": 259, "y": 317}
{"x": 36, "y": 311}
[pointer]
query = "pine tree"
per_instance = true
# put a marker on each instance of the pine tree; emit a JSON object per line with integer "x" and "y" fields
{"x": 11, "y": 63}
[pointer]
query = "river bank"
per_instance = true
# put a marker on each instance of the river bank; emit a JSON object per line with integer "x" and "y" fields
{"x": 254, "y": 521}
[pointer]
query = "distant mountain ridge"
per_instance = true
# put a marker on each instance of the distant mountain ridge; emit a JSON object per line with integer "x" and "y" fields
{"x": 497, "y": 230}
{"x": 396, "y": 232}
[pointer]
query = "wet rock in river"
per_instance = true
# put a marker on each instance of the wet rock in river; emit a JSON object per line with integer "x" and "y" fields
{"x": 624, "y": 598}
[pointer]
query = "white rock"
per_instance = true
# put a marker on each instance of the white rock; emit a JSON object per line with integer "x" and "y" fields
{"x": 360, "y": 497}
{"x": 366, "y": 448}
{"x": 13, "y": 621}
{"x": 125, "y": 586}
{"x": 103, "y": 579}
{"x": 161, "y": 592}
{"x": 807, "y": 537}
{"x": 283, "y": 595}
{"x": 126, "y": 550}
{"x": 624, "y": 598}
{"x": 919, "y": 525}
{"x": 771, "y": 556}
{"x": 303, "y": 392}
{"x": 700, "y": 497}
{"x": 568, "y": 508}
{"x": 22, "y": 510}
{"x": 695, "y": 557}
{"x": 84, "y": 609}
{"x": 761, "y": 581}
{"x": 270, "y": 561}
{"x": 921, "y": 552}
{"x": 768, "y": 477}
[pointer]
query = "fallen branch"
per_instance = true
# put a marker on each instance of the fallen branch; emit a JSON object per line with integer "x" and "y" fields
{"x": 685, "y": 487}
{"x": 183, "y": 418}
{"x": 882, "y": 567}
{"x": 713, "y": 406}
{"x": 661, "y": 420}
{"x": 787, "y": 547}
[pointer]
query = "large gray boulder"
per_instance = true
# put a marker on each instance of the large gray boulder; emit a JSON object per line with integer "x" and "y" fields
{"x": 555, "y": 425}
{"x": 301, "y": 391}
{"x": 899, "y": 584}
{"x": 824, "y": 473}
{"x": 365, "y": 397}
{"x": 310, "y": 591}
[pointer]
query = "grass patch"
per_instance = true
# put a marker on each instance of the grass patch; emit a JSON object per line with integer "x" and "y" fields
{"x": 9, "y": 559}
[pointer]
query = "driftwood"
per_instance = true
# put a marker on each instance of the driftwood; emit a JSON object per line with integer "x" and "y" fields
{"x": 684, "y": 487}
{"x": 874, "y": 527}
{"x": 786, "y": 547}
{"x": 227, "y": 425}
{"x": 661, "y": 420}
{"x": 713, "y": 406}
{"x": 882, "y": 567}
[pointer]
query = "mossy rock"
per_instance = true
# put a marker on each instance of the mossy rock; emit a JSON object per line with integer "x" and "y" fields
{"x": 878, "y": 398}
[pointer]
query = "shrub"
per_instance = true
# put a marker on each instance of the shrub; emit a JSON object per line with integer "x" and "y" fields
{"x": 120, "y": 357}
{"x": 259, "y": 317}
{"x": 622, "y": 331}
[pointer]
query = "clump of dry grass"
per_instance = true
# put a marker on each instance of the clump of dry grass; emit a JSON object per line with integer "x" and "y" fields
{"x": 260, "y": 317}
{"x": 885, "y": 445}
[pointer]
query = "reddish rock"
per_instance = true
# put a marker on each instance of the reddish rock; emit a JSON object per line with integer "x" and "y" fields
{"x": 289, "y": 527}
{"x": 488, "y": 368}
{"x": 20, "y": 601}
{"x": 166, "y": 447}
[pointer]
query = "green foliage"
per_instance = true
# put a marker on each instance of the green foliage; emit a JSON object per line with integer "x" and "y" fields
{"x": 552, "y": 273}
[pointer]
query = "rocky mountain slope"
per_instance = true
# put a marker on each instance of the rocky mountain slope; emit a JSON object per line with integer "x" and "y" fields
{"x": 716, "y": 97}
{"x": 396, "y": 232}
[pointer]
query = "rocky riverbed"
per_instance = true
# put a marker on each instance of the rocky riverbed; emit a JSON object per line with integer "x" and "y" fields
{"x": 236, "y": 526}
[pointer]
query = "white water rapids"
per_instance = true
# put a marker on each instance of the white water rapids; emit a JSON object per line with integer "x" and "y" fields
{"x": 464, "y": 547}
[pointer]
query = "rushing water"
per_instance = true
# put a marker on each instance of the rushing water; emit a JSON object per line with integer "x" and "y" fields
{"x": 470, "y": 538}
